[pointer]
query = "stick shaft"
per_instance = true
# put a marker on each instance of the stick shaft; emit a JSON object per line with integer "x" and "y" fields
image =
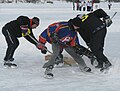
{"x": 113, "y": 15}
{"x": 38, "y": 42}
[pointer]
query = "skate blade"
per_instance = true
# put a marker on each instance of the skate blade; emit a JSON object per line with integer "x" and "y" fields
{"x": 105, "y": 71}
{"x": 13, "y": 67}
{"x": 48, "y": 76}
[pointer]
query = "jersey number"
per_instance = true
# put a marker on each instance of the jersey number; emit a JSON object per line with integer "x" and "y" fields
{"x": 84, "y": 17}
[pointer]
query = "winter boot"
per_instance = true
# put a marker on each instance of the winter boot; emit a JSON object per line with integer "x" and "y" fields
{"x": 9, "y": 63}
{"x": 48, "y": 72}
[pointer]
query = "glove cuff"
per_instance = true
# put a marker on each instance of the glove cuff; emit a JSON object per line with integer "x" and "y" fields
{"x": 107, "y": 17}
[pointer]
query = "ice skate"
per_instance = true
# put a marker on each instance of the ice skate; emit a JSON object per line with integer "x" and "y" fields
{"x": 48, "y": 73}
{"x": 10, "y": 64}
{"x": 106, "y": 67}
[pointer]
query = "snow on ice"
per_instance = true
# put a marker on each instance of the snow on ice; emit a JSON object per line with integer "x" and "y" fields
{"x": 29, "y": 74}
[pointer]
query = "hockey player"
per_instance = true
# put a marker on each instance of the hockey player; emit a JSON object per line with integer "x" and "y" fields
{"x": 93, "y": 31}
{"x": 60, "y": 35}
{"x": 21, "y": 27}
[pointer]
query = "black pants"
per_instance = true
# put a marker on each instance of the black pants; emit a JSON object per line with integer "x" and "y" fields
{"x": 80, "y": 8}
{"x": 12, "y": 43}
{"x": 88, "y": 8}
{"x": 97, "y": 44}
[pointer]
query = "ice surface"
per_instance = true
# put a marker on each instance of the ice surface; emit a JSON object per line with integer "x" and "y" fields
{"x": 29, "y": 74}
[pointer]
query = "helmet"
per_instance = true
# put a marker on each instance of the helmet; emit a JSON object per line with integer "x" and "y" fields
{"x": 76, "y": 21}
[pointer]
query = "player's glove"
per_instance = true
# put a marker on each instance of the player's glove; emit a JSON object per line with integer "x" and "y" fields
{"x": 107, "y": 21}
{"x": 42, "y": 48}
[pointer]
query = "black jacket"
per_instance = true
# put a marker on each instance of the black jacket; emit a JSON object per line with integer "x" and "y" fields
{"x": 14, "y": 28}
{"x": 91, "y": 24}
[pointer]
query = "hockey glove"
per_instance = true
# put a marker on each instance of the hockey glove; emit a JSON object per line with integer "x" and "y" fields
{"x": 44, "y": 51}
{"x": 107, "y": 21}
{"x": 42, "y": 48}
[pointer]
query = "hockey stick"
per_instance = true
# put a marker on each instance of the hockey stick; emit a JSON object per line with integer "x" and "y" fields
{"x": 45, "y": 48}
{"x": 113, "y": 15}
{"x": 38, "y": 43}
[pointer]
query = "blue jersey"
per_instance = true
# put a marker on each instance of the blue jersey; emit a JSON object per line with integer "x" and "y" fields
{"x": 66, "y": 35}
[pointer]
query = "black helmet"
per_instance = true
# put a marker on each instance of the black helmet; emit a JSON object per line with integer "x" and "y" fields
{"x": 76, "y": 21}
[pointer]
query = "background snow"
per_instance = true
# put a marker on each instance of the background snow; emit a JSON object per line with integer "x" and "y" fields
{"x": 29, "y": 74}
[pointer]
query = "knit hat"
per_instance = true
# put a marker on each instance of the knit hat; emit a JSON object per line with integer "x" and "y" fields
{"x": 76, "y": 21}
{"x": 35, "y": 20}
